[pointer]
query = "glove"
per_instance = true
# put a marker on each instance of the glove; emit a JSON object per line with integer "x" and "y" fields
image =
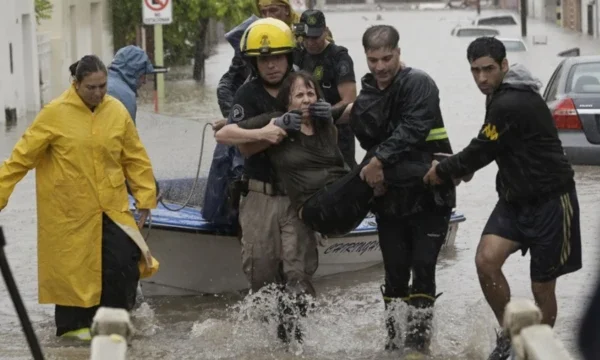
{"x": 320, "y": 110}
{"x": 289, "y": 121}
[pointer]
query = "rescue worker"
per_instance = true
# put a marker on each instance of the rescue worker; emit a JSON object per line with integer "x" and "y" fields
{"x": 333, "y": 68}
{"x": 126, "y": 74}
{"x": 84, "y": 146}
{"x": 397, "y": 115}
{"x": 238, "y": 70}
{"x": 537, "y": 207}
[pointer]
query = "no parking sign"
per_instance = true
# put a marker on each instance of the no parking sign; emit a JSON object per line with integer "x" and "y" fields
{"x": 157, "y": 12}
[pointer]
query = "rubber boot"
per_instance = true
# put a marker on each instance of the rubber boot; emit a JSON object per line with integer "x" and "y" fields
{"x": 394, "y": 333}
{"x": 420, "y": 322}
{"x": 293, "y": 304}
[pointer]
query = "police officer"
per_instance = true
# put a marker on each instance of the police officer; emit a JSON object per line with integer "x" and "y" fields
{"x": 276, "y": 245}
{"x": 332, "y": 67}
{"x": 397, "y": 116}
{"x": 238, "y": 70}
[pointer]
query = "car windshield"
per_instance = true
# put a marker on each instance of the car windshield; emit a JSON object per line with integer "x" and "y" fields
{"x": 584, "y": 78}
{"x": 513, "y": 45}
{"x": 497, "y": 20}
{"x": 477, "y": 32}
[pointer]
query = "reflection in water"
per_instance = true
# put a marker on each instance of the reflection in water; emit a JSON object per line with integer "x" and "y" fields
{"x": 348, "y": 320}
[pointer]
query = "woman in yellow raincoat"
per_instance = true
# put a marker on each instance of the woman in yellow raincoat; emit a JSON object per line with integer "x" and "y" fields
{"x": 84, "y": 146}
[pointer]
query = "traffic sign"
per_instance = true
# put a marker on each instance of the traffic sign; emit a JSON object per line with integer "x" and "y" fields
{"x": 157, "y": 12}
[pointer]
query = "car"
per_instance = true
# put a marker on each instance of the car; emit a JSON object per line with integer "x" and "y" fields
{"x": 513, "y": 44}
{"x": 495, "y": 20}
{"x": 474, "y": 31}
{"x": 573, "y": 96}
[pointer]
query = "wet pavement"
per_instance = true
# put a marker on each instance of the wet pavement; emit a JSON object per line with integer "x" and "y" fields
{"x": 348, "y": 322}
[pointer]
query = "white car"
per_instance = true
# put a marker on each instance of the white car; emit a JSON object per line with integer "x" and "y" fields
{"x": 474, "y": 31}
{"x": 496, "y": 20}
{"x": 513, "y": 44}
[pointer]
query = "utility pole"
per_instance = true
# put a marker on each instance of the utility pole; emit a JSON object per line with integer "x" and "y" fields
{"x": 478, "y": 7}
{"x": 159, "y": 84}
{"x": 524, "y": 18}
{"x": 158, "y": 13}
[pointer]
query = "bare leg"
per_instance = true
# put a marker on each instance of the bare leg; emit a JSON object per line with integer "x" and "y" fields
{"x": 545, "y": 297}
{"x": 492, "y": 252}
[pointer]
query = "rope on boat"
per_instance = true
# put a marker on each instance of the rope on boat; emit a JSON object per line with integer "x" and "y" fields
{"x": 185, "y": 204}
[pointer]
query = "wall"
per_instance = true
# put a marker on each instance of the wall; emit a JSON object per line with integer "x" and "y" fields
{"x": 77, "y": 28}
{"x": 536, "y": 8}
{"x": 19, "y": 70}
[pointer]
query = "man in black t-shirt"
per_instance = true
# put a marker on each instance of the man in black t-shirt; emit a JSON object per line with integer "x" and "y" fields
{"x": 333, "y": 68}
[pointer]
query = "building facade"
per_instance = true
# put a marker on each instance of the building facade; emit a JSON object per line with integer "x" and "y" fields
{"x": 19, "y": 70}
{"x": 77, "y": 28}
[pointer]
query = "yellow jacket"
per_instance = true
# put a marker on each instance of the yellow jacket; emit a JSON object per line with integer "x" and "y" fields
{"x": 294, "y": 16}
{"x": 82, "y": 160}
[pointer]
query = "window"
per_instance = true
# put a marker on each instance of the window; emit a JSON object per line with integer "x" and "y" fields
{"x": 477, "y": 32}
{"x": 584, "y": 78}
{"x": 552, "y": 88}
{"x": 514, "y": 45}
{"x": 496, "y": 20}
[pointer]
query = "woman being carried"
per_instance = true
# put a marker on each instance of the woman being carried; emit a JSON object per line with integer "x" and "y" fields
{"x": 330, "y": 198}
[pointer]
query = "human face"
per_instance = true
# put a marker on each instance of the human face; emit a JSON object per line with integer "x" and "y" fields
{"x": 92, "y": 88}
{"x": 488, "y": 74}
{"x": 301, "y": 96}
{"x": 383, "y": 63}
{"x": 315, "y": 45}
{"x": 280, "y": 12}
{"x": 273, "y": 68}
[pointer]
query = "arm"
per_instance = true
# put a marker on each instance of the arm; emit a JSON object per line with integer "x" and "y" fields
{"x": 259, "y": 121}
{"x": 346, "y": 80}
{"x": 484, "y": 148}
{"x": 26, "y": 153}
{"x": 138, "y": 169}
{"x": 419, "y": 103}
{"x": 229, "y": 84}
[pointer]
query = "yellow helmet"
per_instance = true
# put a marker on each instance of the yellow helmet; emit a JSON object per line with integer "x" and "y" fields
{"x": 267, "y": 37}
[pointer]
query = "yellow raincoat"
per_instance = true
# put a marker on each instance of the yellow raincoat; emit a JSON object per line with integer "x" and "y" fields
{"x": 82, "y": 160}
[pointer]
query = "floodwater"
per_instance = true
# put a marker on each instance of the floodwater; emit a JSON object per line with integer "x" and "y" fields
{"x": 348, "y": 323}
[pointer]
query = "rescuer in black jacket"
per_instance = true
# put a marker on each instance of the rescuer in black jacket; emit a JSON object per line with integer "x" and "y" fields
{"x": 537, "y": 207}
{"x": 397, "y": 115}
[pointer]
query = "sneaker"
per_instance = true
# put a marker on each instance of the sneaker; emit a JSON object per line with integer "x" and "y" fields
{"x": 80, "y": 334}
{"x": 503, "y": 347}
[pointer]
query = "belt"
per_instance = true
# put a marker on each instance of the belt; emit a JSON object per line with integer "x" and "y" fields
{"x": 263, "y": 187}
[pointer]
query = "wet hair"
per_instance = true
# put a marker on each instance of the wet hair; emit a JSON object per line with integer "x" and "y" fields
{"x": 285, "y": 91}
{"x": 486, "y": 46}
{"x": 380, "y": 37}
{"x": 87, "y": 65}
{"x": 284, "y": 97}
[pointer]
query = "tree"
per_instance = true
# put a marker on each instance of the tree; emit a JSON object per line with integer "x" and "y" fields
{"x": 186, "y": 37}
{"x": 43, "y": 10}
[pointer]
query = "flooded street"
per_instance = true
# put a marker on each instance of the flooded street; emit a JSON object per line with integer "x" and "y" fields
{"x": 348, "y": 323}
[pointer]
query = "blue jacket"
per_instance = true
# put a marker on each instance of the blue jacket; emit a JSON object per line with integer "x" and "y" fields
{"x": 128, "y": 65}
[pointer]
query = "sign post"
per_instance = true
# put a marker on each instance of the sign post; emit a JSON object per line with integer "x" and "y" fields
{"x": 158, "y": 13}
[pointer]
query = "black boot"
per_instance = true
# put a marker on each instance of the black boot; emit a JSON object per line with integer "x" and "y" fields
{"x": 420, "y": 322}
{"x": 293, "y": 304}
{"x": 394, "y": 335}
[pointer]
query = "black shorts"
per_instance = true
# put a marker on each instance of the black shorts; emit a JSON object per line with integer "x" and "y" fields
{"x": 550, "y": 230}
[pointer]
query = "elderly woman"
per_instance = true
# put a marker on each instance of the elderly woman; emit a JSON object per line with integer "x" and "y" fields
{"x": 329, "y": 197}
{"x": 84, "y": 146}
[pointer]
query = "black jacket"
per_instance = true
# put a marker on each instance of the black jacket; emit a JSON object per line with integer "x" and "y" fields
{"x": 520, "y": 135}
{"x": 403, "y": 123}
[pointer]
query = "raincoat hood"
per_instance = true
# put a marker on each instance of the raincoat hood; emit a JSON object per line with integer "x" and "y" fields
{"x": 518, "y": 76}
{"x": 130, "y": 63}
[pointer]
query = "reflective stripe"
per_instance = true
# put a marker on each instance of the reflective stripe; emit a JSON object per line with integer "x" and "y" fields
{"x": 437, "y": 134}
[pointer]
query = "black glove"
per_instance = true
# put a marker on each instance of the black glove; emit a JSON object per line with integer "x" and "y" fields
{"x": 289, "y": 121}
{"x": 320, "y": 110}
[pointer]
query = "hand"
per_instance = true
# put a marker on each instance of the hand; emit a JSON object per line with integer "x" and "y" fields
{"x": 218, "y": 124}
{"x": 290, "y": 121}
{"x": 431, "y": 178}
{"x": 144, "y": 213}
{"x": 320, "y": 110}
{"x": 379, "y": 190}
{"x": 272, "y": 133}
{"x": 372, "y": 173}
